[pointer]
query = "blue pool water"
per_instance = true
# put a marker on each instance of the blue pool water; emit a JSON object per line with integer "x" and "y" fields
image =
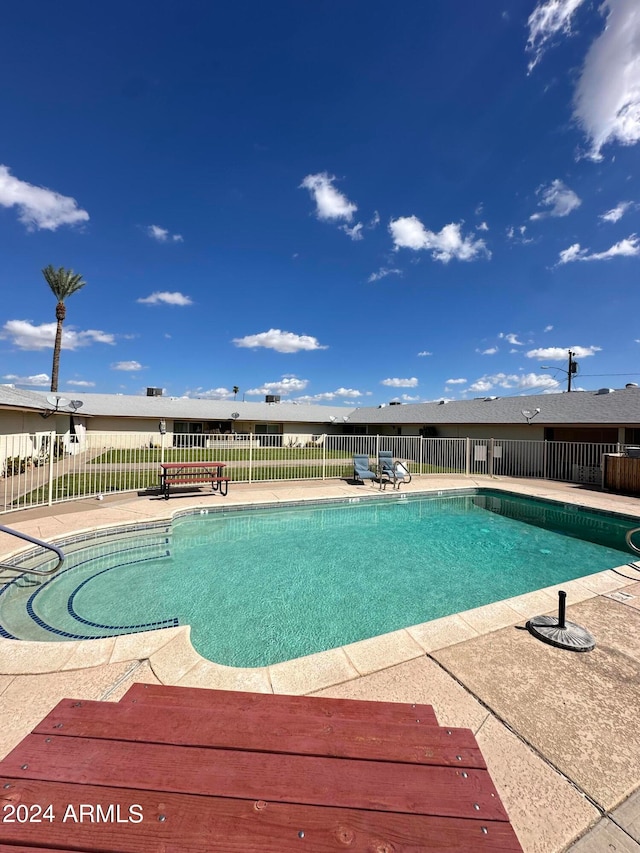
{"x": 262, "y": 586}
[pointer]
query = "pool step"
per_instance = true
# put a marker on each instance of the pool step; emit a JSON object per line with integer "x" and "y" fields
{"x": 20, "y": 613}
{"x": 37, "y": 558}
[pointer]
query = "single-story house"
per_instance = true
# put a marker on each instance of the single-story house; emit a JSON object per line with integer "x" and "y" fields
{"x": 606, "y": 415}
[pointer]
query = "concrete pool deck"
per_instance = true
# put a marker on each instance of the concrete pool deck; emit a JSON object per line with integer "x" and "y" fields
{"x": 560, "y": 731}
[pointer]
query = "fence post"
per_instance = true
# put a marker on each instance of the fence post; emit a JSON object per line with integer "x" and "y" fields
{"x": 467, "y": 461}
{"x": 52, "y": 447}
{"x": 251, "y": 438}
{"x": 490, "y": 451}
{"x": 324, "y": 456}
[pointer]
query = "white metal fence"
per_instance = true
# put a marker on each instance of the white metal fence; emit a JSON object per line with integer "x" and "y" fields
{"x": 45, "y": 468}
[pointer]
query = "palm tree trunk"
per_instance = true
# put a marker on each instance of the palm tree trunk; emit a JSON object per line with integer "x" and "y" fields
{"x": 56, "y": 356}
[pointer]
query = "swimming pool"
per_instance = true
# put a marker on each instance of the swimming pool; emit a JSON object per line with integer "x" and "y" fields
{"x": 264, "y": 585}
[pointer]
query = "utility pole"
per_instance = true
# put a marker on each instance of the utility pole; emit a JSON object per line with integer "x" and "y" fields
{"x": 573, "y": 368}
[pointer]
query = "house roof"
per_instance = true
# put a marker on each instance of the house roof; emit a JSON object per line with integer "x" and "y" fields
{"x": 620, "y": 407}
{"x": 179, "y": 408}
{"x": 578, "y": 407}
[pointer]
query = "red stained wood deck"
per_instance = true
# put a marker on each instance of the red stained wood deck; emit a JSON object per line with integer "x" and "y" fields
{"x": 183, "y": 769}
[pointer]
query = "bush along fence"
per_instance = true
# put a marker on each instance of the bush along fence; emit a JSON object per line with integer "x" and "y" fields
{"x": 45, "y": 468}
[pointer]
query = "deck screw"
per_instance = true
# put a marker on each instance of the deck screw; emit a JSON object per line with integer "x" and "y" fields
{"x": 484, "y": 830}
{"x": 47, "y": 740}
{"x": 24, "y": 767}
{"x": 458, "y": 758}
{"x": 476, "y": 807}
{"x": 58, "y": 726}
{"x": 301, "y": 834}
{"x": 417, "y": 721}
{"x": 448, "y": 731}
{"x": 464, "y": 774}
{"x": 7, "y": 785}
{"x": 162, "y": 817}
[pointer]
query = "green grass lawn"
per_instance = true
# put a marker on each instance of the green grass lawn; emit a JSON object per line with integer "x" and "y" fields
{"x": 201, "y": 454}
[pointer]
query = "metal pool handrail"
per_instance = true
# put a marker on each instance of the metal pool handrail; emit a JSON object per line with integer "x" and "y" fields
{"x": 628, "y": 538}
{"x": 33, "y": 541}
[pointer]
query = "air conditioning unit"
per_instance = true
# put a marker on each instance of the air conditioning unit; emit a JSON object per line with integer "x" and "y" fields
{"x": 272, "y": 398}
{"x": 154, "y": 392}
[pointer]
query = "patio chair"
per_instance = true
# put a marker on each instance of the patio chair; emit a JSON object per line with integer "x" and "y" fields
{"x": 395, "y": 471}
{"x": 361, "y": 470}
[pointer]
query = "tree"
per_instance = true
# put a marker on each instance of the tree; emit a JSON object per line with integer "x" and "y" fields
{"x": 235, "y": 391}
{"x": 62, "y": 283}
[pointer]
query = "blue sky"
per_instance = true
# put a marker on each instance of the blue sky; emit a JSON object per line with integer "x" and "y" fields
{"x": 336, "y": 202}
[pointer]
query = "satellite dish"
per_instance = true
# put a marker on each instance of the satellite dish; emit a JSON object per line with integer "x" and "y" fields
{"x": 76, "y": 404}
{"x": 528, "y": 415}
{"x": 235, "y": 415}
{"x": 57, "y": 402}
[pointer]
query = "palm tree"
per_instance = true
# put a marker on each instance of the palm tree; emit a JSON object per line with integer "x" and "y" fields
{"x": 235, "y": 391}
{"x": 62, "y": 283}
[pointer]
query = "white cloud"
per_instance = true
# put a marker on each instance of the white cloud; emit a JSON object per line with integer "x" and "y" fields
{"x": 510, "y": 381}
{"x": 167, "y": 298}
{"x": 38, "y": 379}
{"x": 607, "y": 96}
{"x": 558, "y": 198}
{"x": 283, "y": 387}
{"x": 355, "y": 233}
{"x": 80, "y": 383}
{"x": 547, "y": 19}
{"x": 383, "y": 272}
{"x": 520, "y": 237}
{"x": 482, "y": 227}
{"x": 616, "y": 212}
{"x": 279, "y": 341}
{"x": 425, "y": 352}
{"x": 548, "y": 328}
{"x": 408, "y": 232}
{"x": 511, "y": 337}
{"x": 400, "y": 383}
{"x": 211, "y": 394}
{"x": 38, "y": 207}
{"x": 561, "y": 353}
{"x": 339, "y": 393}
{"x": 456, "y": 382}
{"x": 162, "y": 235}
{"x": 489, "y": 351}
{"x": 481, "y": 385}
{"x": 25, "y": 335}
{"x": 127, "y": 365}
{"x": 629, "y": 247}
{"x": 330, "y": 203}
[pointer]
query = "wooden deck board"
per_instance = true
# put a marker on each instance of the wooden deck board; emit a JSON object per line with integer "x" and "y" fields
{"x": 383, "y": 786}
{"x": 343, "y": 709}
{"x": 193, "y": 824}
{"x": 188, "y": 770}
{"x": 271, "y": 731}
